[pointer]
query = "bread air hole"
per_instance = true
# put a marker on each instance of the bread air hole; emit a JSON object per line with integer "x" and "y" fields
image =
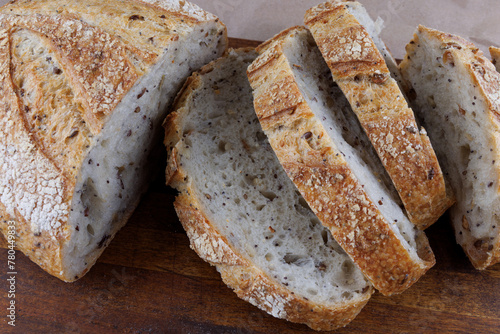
{"x": 346, "y": 295}
{"x": 291, "y": 258}
{"x": 90, "y": 229}
{"x": 104, "y": 143}
{"x": 303, "y": 203}
{"x": 187, "y": 142}
{"x": 269, "y": 195}
{"x": 261, "y": 137}
{"x": 431, "y": 101}
{"x": 314, "y": 222}
{"x": 324, "y": 236}
{"x": 348, "y": 268}
{"x": 312, "y": 292}
{"x": 464, "y": 154}
{"x": 297, "y": 260}
{"x": 90, "y": 199}
{"x": 250, "y": 179}
{"x": 223, "y": 146}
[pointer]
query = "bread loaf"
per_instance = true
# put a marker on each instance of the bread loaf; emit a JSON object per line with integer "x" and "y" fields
{"x": 455, "y": 91}
{"x": 325, "y": 152}
{"x": 357, "y": 60}
{"x": 85, "y": 85}
{"x": 242, "y": 213}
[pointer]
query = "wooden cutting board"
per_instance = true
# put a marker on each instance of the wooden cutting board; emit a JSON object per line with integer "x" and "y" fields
{"x": 149, "y": 281}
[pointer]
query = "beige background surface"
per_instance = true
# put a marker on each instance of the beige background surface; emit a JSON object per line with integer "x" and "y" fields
{"x": 477, "y": 20}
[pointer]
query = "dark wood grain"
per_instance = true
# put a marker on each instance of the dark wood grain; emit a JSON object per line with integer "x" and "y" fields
{"x": 242, "y": 43}
{"x": 149, "y": 281}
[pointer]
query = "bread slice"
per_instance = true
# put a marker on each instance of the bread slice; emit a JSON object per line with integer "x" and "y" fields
{"x": 348, "y": 40}
{"x": 456, "y": 94}
{"x": 495, "y": 57}
{"x": 323, "y": 149}
{"x": 81, "y": 108}
{"x": 242, "y": 213}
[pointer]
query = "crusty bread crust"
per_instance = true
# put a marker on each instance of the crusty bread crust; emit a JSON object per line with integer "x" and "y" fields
{"x": 26, "y": 169}
{"x": 324, "y": 178}
{"x": 252, "y": 284}
{"x": 361, "y": 72}
{"x": 134, "y": 21}
{"x": 480, "y": 74}
{"x": 495, "y": 57}
{"x": 247, "y": 280}
{"x": 97, "y": 67}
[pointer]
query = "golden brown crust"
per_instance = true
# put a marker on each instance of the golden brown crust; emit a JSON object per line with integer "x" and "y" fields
{"x": 248, "y": 281}
{"x": 64, "y": 67}
{"x": 495, "y": 57}
{"x": 360, "y": 71}
{"x": 62, "y": 133}
{"x": 146, "y": 27}
{"x": 174, "y": 175}
{"x": 348, "y": 50}
{"x": 323, "y": 177}
{"x": 94, "y": 62}
{"x": 38, "y": 247}
{"x": 24, "y": 166}
{"x": 264, "y": 46}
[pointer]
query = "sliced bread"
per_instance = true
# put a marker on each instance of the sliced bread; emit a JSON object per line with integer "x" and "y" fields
{"x": 349, "y": 42}
{"x": 242, "y": 213}
{"x": 80, "y": 115}
{"x": 455, "y": 91}
{"x": 325, "y": 152}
